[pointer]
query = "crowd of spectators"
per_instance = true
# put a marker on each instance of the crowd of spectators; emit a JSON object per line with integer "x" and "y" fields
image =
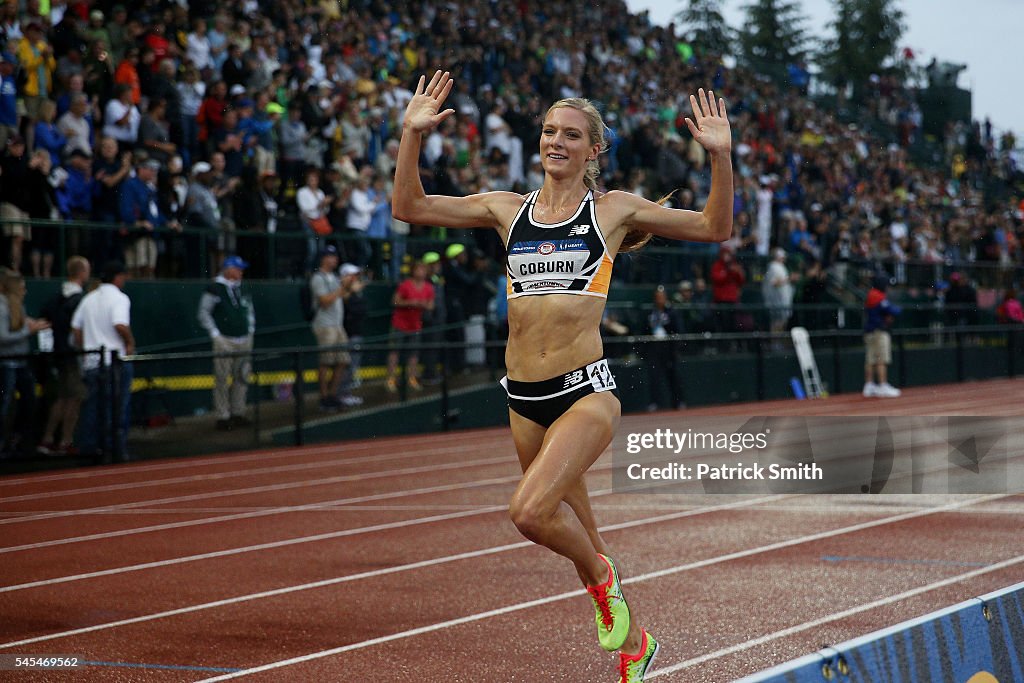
{"x": 180, "y": 124}
{"x": 178, "y": 128}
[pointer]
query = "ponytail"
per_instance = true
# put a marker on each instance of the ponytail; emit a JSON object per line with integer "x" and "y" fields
{"x": 635, "y": 240}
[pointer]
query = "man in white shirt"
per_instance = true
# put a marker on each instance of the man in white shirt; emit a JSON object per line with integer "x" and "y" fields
{"x": 357, "y": 219}
{"x": 103, "y": 321}
{"x": 197, "y": 46}
{"x": 122, "y": 118}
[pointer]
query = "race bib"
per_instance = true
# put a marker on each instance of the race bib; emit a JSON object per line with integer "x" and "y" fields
{"x": 600, "y": 376}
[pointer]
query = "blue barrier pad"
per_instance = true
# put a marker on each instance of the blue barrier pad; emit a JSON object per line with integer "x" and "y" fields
{"x": 977, "y": 641}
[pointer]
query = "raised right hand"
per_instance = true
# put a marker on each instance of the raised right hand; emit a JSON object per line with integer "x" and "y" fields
{"x": 422, "y": 114}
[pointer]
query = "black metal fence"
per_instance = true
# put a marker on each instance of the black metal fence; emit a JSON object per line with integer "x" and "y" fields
{"x": 169, "y": 408}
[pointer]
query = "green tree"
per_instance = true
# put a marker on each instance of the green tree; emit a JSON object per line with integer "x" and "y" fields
{"x": 773, "y": 36}
{"x": 706, "y": 27}
{"x": 866, "y": 35}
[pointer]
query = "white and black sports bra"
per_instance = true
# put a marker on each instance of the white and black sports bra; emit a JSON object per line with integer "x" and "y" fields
{"x": 569, "y": 257}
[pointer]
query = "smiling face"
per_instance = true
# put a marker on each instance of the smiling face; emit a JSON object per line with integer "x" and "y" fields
{"x": 567, "y": 142}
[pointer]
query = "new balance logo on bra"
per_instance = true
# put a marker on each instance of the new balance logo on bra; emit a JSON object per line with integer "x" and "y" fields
{"x": 568, "y": 257}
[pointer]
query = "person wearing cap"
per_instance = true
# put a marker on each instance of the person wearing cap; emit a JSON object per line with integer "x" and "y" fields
{"x": 103, "y": 321}
{"x": 412, "y": 298}
{"x": 777, "y": 291}
{"x": 561, "y": 242}
{"x": 8, "y": 97}
{"x": 256, "y": 128}
{"x": 433, "y": 319}
{"x": 879, "y": 314}
{"x": 693, "y": 311}
{"x": 459, "y": 281}
{"x": 141, "y": 216}
{"x": 95, "y": 29}
{"x": 202, "y": 212}
{"x": 355, "y": 316}
{"x": 328, "y": 294}
{"x": 226, "y": 313}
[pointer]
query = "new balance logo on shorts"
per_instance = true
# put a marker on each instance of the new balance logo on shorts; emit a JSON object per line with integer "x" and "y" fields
{"x": 573, "y": 378}
{"x": 579, "y": 230}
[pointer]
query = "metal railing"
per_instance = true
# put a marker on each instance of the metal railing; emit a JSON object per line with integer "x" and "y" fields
{"x": 170, "y": 393}
{"x": 287, "y": 253}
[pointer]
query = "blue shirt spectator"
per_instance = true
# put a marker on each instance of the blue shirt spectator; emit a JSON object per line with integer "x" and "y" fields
{"x": 138, "y": 197}
{"x": 8, "y": 92}
{"x": 74, "y": 197}
{"x": 50, "y": 139}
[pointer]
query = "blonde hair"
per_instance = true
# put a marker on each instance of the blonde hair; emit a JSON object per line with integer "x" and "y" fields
{"x": 76, "y": 266}
{"x": 634, "y": 239}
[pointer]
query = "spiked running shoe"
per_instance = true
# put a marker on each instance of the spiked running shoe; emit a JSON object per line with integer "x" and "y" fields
{"x": 612, "y": 612}
{"x": 633, "y": 668}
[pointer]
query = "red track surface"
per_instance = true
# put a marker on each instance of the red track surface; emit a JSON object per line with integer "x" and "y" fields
{"x": 393, "y": 560}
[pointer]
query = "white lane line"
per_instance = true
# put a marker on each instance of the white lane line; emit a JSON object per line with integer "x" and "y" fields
{"x": 367, "y": 574}
{"x": 479, "y": 510}
{"x": 276, "y": 469}
{"x": 323, "y": 481}
{"x": 248, "y": 456}
{"x": 881, "y": 602}
{"x": 270, "y": 511}
{"x": 318, "y": 507}
{"x": 562, "y": 596}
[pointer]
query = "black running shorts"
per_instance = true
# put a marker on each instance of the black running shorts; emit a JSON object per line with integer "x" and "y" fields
{"x": 547, "y": 400}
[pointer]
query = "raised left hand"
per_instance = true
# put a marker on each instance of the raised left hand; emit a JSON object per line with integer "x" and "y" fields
{"x": 710, "y": 123}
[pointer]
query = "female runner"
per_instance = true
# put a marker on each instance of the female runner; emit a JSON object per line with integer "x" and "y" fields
{"x": 561, "y": 241}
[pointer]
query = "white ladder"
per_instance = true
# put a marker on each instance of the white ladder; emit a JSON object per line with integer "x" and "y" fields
{"x": 808, "y": 366}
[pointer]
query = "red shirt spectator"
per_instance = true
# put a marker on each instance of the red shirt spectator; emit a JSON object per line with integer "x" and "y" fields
{"x": 156, "y": 41}
{"x": 210, "y": 116}
{"x": 412, "y": 296}
{"x": 727, "y": 278}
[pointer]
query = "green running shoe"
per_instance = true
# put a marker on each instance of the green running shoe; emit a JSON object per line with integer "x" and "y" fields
{"x": 612, "y": 612}
{"x": 633, "y": 668}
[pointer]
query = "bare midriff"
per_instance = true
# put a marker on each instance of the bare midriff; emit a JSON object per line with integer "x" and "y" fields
{"x": 552, "y": 334}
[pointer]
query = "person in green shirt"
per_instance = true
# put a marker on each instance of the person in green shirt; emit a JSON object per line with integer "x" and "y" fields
{"x": 226, "y": 313}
